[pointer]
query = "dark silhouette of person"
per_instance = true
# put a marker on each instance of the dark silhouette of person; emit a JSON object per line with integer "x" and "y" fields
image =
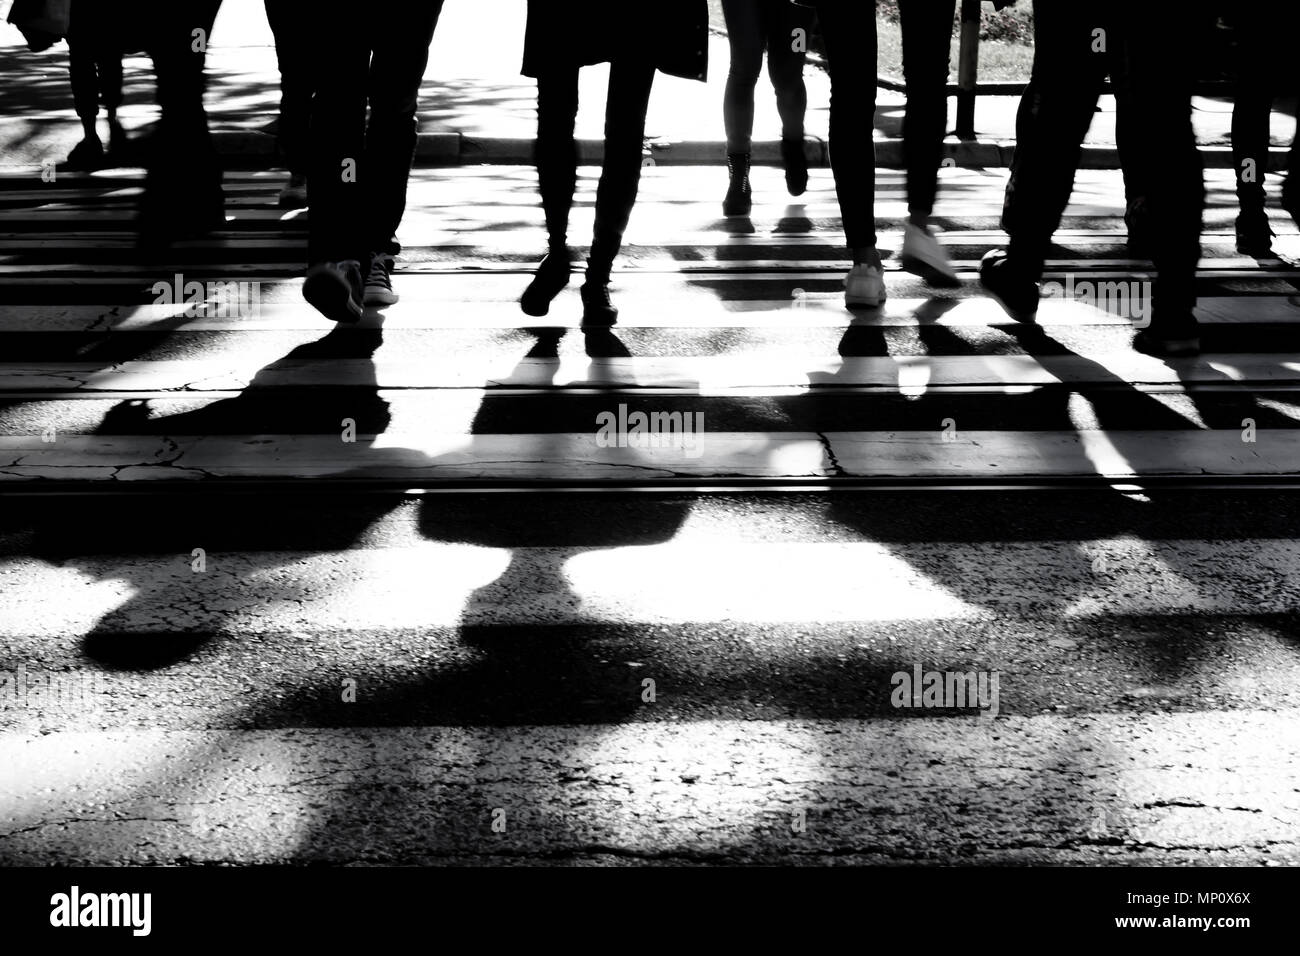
{"x": 1146, "y": 50}
{"x": 359, "y": 169}
{"x": 782, "y": 28}
{"x": 559, "y": 41}
{"x": 95, "y": 47}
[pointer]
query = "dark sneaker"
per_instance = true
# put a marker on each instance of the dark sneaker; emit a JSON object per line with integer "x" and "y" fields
{"x": 1254, "y": 237}
{"x": 740, "y": 195}
{"x": 1017, "y": 293}
{"x": 1161, "y": 344}
{"x": 551, "y": 276}
{"x": 334, "y": 288}
{"x": 294, "y": 195}
{"x": 598, "y": 311}
{"x": 796, "y": 166}
{"x": 379, "y": 280}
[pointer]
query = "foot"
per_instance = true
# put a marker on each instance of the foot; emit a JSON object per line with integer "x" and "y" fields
{"x": 740, "y": 195}
{"x": 551, "y": 276}
{"x": 379, "y": 280}
{"x": 923, "y": 256}
{"x": 864, "y": 287}
{"x": 1180, "y": 343}
{"x": 1017, "y": 293}
{"x": 1254, "y": 237}
{"x": 334, "y": 288}
{"x": 87, "y": 154}
{"x": 117, "y": 138}
{"x": 796, "y": 165}
{"x": 598, "y": 311}
{"x": 294, "y": 195}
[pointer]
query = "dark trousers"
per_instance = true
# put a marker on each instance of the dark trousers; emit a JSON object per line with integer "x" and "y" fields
{"x": 1265, "y": 33}
{"x": 183, "y": 185}
{"x": 1148, "y": 53}
{"x": 94, "y": 58}
{"x": 293, "y": 55}
{"x": 753, "y": 25}
{"x": 630, "y": 81}
{"x": 358, "y": 171}
{"x": 849, "y": 32}
{"x": 927, "y": 38}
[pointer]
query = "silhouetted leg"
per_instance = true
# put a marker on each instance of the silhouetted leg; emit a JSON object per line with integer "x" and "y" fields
{"x": 927, "y": 35}
{"x": 745, "y": 35}
{"x": 785, "y": 62}
{"x": 555, "y": 149}
{"x": 183, "y": 194}
{"x": 849, "y": 30}
{"x": 336, "y": 166}
{"x": 1157, "y": 79}
{"x": 293, "y": 53}
{"x": 1051, "y": 123}
{"x": 630, "y": 82}
{"x": 396, "y": 69}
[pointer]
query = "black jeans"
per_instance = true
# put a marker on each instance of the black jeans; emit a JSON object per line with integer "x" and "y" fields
{"x": 1265, "y": 33}
{"x": 849, "y": 32}
{"x": 1148, "y": 50}
{"x": 358, "y": 171}
{"x": 94, "y": 58}
{"x": 753, "y": 25}
{"x": 293, "y": 55}
{"x": 927, "y": 39}
{"x": 630, "y": 82}
{"x": 183, "y": 186}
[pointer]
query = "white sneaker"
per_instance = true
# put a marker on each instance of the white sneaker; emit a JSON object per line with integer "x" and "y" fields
{"x": 864, "y": 287}
{"x": 923, "y": 256}
{"x": 379, "y": 280}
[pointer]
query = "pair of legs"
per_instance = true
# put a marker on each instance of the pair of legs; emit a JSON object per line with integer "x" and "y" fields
{"x": 293, "y": 54}
{"x": 95, "y": 71}
{"x": 358, "y": 170}
{"x": 1149, "y": 54}
{"x": 782, "y": 29}
{"x": 630, "y": 82}
{"x": 849, "y": 30}
{"x": 182, "y": 193}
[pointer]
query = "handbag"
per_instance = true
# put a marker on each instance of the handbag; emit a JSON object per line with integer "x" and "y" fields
{"x": 41, "y": 22}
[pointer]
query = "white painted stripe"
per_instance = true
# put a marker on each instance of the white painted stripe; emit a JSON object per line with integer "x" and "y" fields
{"x": 700, "y": 375}
{"x": 431, "y": 457}
{"x": 1036, "y": 789}
{"x": 488, "y": 302}
{"x": 696, "y": 576}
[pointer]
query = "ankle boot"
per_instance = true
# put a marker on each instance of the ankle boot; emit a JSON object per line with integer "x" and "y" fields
{"x": 1254, "y": 237}
{"x": 598, "y": 311}
{"x": 796, "y": 165}
{"x": 739, "y": 200}
{"x": 551, "y": 276}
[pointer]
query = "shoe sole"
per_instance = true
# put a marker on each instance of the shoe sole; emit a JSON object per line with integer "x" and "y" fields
{"x": 864, "y": 303}
{"x": 932, "y": 275}
{"x": 331, "y": 299}
{"x": 380, "y": 297}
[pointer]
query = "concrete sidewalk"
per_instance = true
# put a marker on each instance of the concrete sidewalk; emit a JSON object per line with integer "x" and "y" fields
{"x": 477, "y": 108}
